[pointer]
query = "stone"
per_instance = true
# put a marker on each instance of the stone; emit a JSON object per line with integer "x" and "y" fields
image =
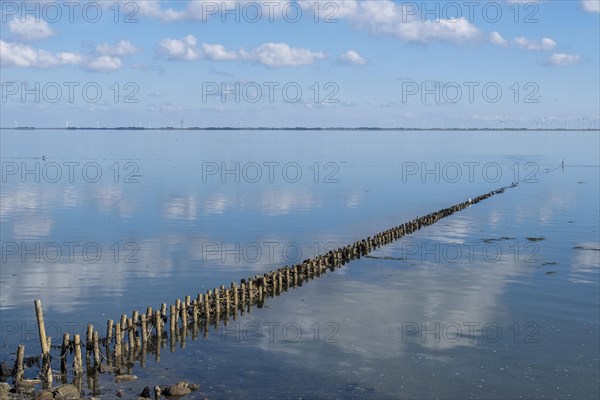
{"x": 45, "y": 395}
{"x": 67, "y": 392}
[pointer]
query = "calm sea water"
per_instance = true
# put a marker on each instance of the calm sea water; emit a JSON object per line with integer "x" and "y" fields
{"x": 500, "y": 300}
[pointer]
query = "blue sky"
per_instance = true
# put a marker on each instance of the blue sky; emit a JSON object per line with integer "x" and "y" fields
{"x": 301, "y": 63}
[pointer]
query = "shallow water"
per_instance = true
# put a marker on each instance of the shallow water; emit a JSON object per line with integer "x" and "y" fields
{"x": 500, "y": 300}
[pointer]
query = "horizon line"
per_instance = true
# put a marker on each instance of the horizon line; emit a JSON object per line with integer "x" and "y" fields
{"x": 298, "y": 128}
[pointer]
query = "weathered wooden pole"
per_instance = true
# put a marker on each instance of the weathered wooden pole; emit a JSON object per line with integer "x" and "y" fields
{"x": 118, "y": 341}
{"x": 144, "y": 329}
{"x": 77, "y": 364}
{"x": 63, "y": 354}
{"x": 96, "y": 347}
{"x": 207, "y": 306}
{"x": 109, "y": 332}
{"x": 173, "y": 310}
{"x": 18, "y": 369}
{"x": 39, "y": 315}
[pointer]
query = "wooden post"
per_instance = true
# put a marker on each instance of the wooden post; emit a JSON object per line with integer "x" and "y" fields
{"x": 184, "y": 314}
{"x": 46, "y": 367}
{"x": 39, "y": 314}
{"x": 144, "y": 328}
{"x": 133, "y": 326}
{"x": 88, "y": 344}
{"x": 96, "y": 350}
{"x": 77, "y": 364}
{"x": 158, "y": 322}
{"x": 63, "y": 354}
{"x": 118, "y": 340}
{"x": 250, "y": 292}
{"x": 159, "y": 332}
{"x": 207, "y": 308}
{"x": 163, "y": 310}
{"x": 280, "y": 283}
{"x": 243, "y": 294}
{"x": 18, "y": 369}
{"x": 173, "y": 310}
{"x": 177, "y": 311}
{"x": 109, "y": 332}
{"x": 217, "y": 302}
{"x": 195, "y": 312}
{"x": 149, "y": 313}
{"x": 235, "y": 299}
{"x": 131, "y": 335}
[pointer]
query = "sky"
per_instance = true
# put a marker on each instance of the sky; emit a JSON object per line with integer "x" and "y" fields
{"x": 276, "y": 63}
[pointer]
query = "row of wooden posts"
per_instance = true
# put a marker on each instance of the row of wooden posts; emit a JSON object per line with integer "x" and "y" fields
{"x": 131, "y": 334}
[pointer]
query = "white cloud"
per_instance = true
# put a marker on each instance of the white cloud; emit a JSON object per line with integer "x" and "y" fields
{"x": 281, "y": 55}
{"x": 152, "y": 9}
{"x": 122, "y": 48}
{"x": 389, "y": 18}
{"x": 29, "y": 29}
{"x": 184, "y": 49}
{"x": 497, "y": 39}
{"x": 19, "y": 55}
{"x": 534, "y": 45}
{"x": 352, "y": 57}
{"x": 591, "y": 5}
{"x": 561, "y": 59}
{"x": 227, "y": 10}
{"x": 269, "y": 54}
{"x": 23, "y": 56}
{"x": 104, "y": 64}
{"x": 217, "y": 52}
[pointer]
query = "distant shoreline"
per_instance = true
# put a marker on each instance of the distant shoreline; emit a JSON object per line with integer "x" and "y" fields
{"x": 301, "y": 129}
